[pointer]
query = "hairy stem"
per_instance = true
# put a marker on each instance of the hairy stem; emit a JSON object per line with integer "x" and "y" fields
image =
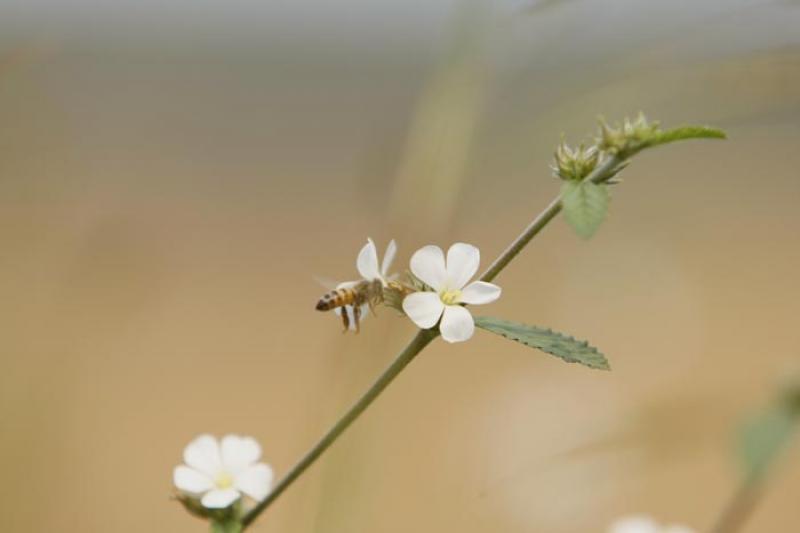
{"x": 602, "y": 173}
{"x": 416, "y": 345}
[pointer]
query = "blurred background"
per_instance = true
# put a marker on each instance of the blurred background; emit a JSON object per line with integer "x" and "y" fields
{"x": 174, "y": 174}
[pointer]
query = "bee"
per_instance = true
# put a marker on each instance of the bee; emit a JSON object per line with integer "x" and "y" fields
{"x": 350, "y": 298}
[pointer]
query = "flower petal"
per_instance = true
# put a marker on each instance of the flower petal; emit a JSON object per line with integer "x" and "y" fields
{"x": 457, "y": 324}
{"x": 388, "y": 257}
{"x": 367, "y": 262}
{"x": 423, "y": 308}
{"x": 220, "y": 498}
{"x": 255, "y": 481}
{"x": 191, "y": 481}
{"x": 238, "y": 453}
{"x": 462, "y": 263}
{"x": 427, "y": 264}
{"x": 480, "y": 292}
{"x": 203, "y": 454}
{"x": 634, "y": 524}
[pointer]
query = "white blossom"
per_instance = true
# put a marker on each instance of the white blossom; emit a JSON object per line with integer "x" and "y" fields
{"x": 218, "y": 473}
{"x": 367, "y": 262}
{"x": 644, "y": 524}
{"x": 367, "y": 265}
{"x": 448, "y": 278}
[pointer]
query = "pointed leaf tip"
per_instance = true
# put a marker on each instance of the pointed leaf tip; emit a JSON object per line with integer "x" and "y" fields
{"x": 687, "y": 132}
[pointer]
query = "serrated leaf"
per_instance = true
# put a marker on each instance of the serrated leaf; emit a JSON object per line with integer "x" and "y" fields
{"x": 585, "y": 206}
{"x": 686, "y": 132}
{"x": 562, "y": 346}
{"x": 763, "y": 437}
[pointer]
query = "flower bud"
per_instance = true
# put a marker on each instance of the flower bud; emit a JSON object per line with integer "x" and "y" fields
{"x": 574, "y": 164}
{"x": 628, "y": 138}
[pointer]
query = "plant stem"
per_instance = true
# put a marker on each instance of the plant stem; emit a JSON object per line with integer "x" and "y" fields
{"x": 739, "y": 508}
{"x": 416, "y": 345}
{"x": 226, "y": 526}
{"x": 751, "y": 489}
{"x": 602, "y": 173}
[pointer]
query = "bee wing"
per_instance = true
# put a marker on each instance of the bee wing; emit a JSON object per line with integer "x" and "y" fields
{"x": 326, "y": 283}
{"x": 330, "y": 285}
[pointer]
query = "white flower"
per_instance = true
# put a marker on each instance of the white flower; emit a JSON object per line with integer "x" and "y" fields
{"x": 367, "y": 265}
{"x": 367, "y": 262}
{"x": 448, "y": 280}
{"x": 218, "y": 473}
{"x": 644, "y": 524}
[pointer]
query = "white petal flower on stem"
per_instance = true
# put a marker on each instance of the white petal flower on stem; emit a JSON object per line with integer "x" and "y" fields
{"x": 218, "y": 473}
{"x": 367, "y": 265}
{"x": 644, "y": 524}
{"x": 449, "y": 279}
{"x": 367, "y": 261}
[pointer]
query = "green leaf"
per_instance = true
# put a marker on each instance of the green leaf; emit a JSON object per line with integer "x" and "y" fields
{"x": 585, "y": 205}
{"x": 567, "y": 348}
{"x": 685, "y": 132}
{"x": 763, "y": 437}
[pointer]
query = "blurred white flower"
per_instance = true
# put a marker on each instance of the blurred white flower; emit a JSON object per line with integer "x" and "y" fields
{"x": 218, "y": 473}
{"x": 367, "y": 265}
{"x": 449, "y": 279}
{"x": 644, "y": 524}
{"x": 367, "y": 262}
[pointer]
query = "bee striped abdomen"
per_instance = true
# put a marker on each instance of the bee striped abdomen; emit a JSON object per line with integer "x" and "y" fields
{"x": 337, "y": 298}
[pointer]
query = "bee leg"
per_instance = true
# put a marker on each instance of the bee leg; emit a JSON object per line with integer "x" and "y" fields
{"x": 372, "y": 307}
{"x": 357, "y": 317}
{"x": 345, "y": 319}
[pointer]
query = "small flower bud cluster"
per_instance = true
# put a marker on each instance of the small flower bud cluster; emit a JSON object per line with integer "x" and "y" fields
{"x": 574, "y": 164}
{"x": 628, "y": 138}
{"x": 622, "y": 141}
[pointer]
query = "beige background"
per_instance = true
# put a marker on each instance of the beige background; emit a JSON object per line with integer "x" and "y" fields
{"x": 173, "y": 177}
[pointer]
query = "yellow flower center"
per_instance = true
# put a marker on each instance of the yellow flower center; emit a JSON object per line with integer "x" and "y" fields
{"x": 450, "y": 296}
{"x": 224, "y": 480}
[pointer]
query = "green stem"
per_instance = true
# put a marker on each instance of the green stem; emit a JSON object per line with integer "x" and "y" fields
{"x": 602, "y": 173}
{"x": 739, "y": 508}
{"x": 416, "y": 345}
{"x": 747, "y": 497}
{"x": 230, "y": 525}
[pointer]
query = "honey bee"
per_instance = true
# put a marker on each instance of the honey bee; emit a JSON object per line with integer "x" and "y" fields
{"x": 350, "y": 298}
